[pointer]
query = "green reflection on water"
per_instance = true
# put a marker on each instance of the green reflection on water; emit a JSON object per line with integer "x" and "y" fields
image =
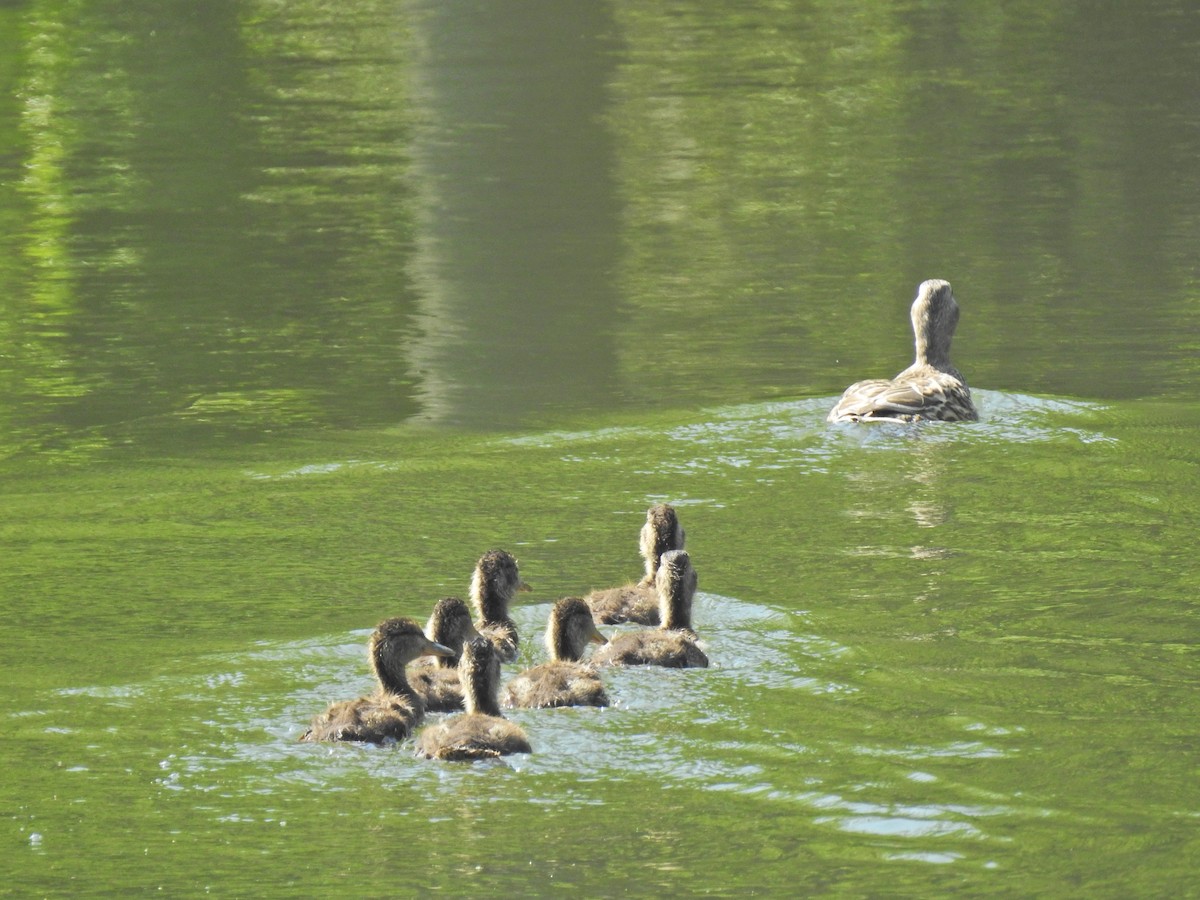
{"x": 249, "y": 251}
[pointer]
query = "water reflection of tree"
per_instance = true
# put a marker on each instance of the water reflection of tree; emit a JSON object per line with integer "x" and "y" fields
{"x": 791, "y": 176}
{"x": 197, "y": 154}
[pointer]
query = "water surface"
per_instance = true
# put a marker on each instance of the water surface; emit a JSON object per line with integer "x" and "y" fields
{"x": 305, "y": 306}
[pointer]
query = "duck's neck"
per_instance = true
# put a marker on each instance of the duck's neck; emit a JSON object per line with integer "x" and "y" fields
{"x": 478, "y": 697}
{"x": 560, "y": 645}
{"x": 675, "y": 605}
{"x": 490, "y": 603}
{"x": 933, "y": 329}
{"x": 392, "y": 681}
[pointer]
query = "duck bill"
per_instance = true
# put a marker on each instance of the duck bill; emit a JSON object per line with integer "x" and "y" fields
{"x": 523, "y": 586}
{"x": 433, "y": 648}
{"x": 596, "y": 637}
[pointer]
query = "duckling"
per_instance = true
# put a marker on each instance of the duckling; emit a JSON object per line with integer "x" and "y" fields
{"x": 437, "y": 681}
{"x": 493, "y": 584}
{"x": 931, "y": 388}
{"x": 564, "y": 681}
{"x": 674, "y": 643}
{"x": 639, "y": 602}
{"x": 394, "y": 709}
{"x": 481, "y": 732}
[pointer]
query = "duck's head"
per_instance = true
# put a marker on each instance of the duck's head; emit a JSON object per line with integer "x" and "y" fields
{"x": 571, "y": 629}
{"x": 450, "y": 624}
{"x": 394, "y": 644}
{"x": 676, "y": 586}
{"x": 662, "y": 532}
{"x": 934, "y": 320}
{"x": 479, "y": 671}
{"x": 494, "y": 583}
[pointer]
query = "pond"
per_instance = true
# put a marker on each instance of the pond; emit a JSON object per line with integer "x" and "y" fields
{"x": 305, "y": 306}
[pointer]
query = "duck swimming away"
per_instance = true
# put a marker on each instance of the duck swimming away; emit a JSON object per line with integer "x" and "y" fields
{"x": 564, "y": 681}
{"x": 437, "y": 682}
{"x": 481, "y": 732}
{"x": 931, "y": 388}
{"x": 495, "y": 580}
{"x": 394, "y": 709}
{"x": 639, "y": 602}
{"x": 674, "y": 643}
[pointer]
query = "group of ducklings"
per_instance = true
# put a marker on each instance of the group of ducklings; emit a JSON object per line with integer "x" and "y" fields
{"x": 466, "y": 674}
{"x": 467, "y": 654}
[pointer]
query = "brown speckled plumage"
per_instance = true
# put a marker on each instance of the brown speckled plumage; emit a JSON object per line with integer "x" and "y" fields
{"x": 481, "y": 732}
{"x": 564, "y": 681}
{"x": 437, "y": 682}
{"x": 674, "y": 643}
{"x": 495, "y": 581}
{"x": 639, "y": 602}
{"x": 392, "y": 711}
{"x": 931, "y": 388}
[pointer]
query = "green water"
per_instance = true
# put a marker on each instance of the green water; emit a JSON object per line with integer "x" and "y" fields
{"x": 304, "y": 306}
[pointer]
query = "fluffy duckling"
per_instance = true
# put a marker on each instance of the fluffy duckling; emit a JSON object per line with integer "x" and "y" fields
{"x": 437, "y": 681}
{"x": 564, "y": 681}
{"x": 392, "y": 711}
{"x": 639, "y": 602}
{"x": 481, "y": 732}
{"x": 931, "y": 388}
{"x": 493, "y": 584}
{"x": 674, "y": 643}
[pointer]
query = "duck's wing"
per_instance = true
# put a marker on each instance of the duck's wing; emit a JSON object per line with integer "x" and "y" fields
{"x": 632, "y": 603}
{"x": 908, "y": 397}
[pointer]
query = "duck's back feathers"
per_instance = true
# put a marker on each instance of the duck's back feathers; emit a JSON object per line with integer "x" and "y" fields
{"x": 374, "y": 719}
{"x": 672, "y": 649}
{"x": 632, "y": 603}
{"x": 557, "y": 683}
{"x": 503, "y": 636}
{"x": 916, "y": 394}
{"x": 440, "y": 689}
{"x": 472, "y": 736}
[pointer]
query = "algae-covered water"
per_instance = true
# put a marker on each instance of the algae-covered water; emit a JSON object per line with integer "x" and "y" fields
{"x": 303, "y": 307}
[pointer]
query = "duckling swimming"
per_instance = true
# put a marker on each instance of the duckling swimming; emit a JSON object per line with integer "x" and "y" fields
{"x": 481, "y": 732}
{"x": 493, "y": 584}
{"x": 437, "y": 681}
{"x": 674, "y": 643}
{"x": 392, "y": 711}
{"x": 639, "y": 602}
{"x": 564, "y": 681}
{"x": 931, "y": 388}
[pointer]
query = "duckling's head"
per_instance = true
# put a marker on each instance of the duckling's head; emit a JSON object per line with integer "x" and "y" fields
{"x": 934, "y": 319}
{"x": 479, "y": 671}
{"x": 394, "y": 644}
{"x": 450, "y": 624}
{"x": 570, "y": 630}
{"x": 662, "y": 532}
{"x": 495, "y": 581}
{"x": 676, "y": 586}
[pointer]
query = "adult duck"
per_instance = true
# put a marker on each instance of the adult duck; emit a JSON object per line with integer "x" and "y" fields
{"x": 931, "y": 388}
{"x": 481, "y": 732}
{"x": 639, "y": 602}
{"x": 673, "y": 644}
{"x": 564, "y": 681}
{"x": 495, "y": 581}
{"x": 394, "y": 709}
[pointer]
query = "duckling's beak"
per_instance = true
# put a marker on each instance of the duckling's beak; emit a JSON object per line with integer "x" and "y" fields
{"x": 523, "y": 586}
{"x": 596, "y": 637}
{"x": 433, "y": 648}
